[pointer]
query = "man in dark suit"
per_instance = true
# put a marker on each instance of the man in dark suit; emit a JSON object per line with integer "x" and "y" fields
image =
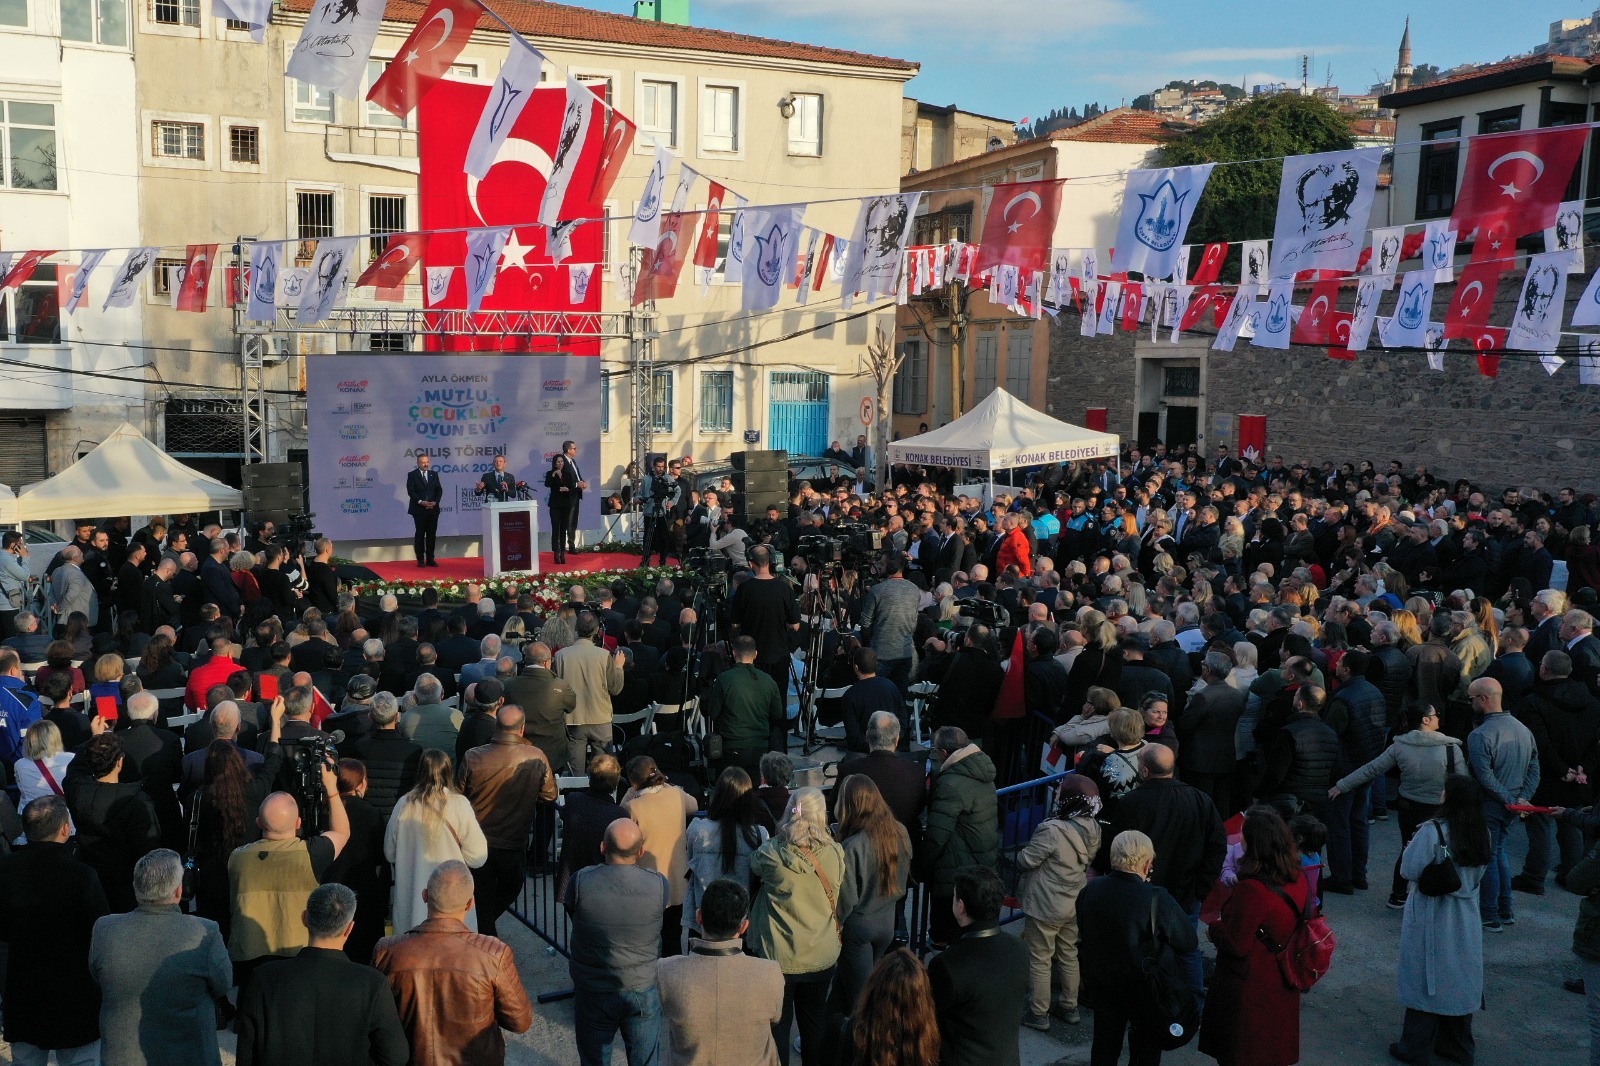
{"x": 902, "y": 783}
{"x": 283, "y": 1016}
{"x": 1545, "y": 633}
{"x": 216, "y": 579}
{"x": 129, "y": 592}
{"x": 424, "y": 490}
{"x": 980, "y": 984}
{"x": 1205, "y": 733}
{"x": 546, "y": 700}
{"x": 153, "y": 757}
{"x": 158, "y": 601}
{"x": 1584, "y": 648}
{"x": 576, "y": 484}
{"x": 497, "y": 484}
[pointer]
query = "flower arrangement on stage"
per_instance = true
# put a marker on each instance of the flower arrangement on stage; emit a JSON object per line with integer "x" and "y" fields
{"x": 548, "y": 590}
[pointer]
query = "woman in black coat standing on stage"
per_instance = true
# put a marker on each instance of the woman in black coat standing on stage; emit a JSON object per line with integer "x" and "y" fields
{"x": 562, "y": 506}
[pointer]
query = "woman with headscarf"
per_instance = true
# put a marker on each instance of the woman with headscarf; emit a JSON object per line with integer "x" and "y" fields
{"x": 1055, "y": 867}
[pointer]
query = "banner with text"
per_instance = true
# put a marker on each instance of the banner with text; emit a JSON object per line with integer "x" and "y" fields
{"x": 371, "y": 415}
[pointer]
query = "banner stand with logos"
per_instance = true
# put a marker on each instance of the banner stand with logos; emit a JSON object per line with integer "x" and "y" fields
{"x": 510, "y": 537}
{"x": 371, "y": 415}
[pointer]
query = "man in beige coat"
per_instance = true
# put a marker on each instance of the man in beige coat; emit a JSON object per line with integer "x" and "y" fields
{"x": 595, "y": 675}
{"x": 719, "y": 1004}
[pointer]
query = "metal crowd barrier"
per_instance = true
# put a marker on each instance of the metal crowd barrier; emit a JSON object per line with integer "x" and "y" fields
{"x": 1020, "y": 809}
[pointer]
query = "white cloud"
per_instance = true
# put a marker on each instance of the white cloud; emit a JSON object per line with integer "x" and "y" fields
{"x": 1239, "y": 55}
{"x": 936, "y": 22}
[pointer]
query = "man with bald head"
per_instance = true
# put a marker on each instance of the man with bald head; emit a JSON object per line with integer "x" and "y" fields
{"x": 505, "y": 780}
{"x": 225, "y": 722}
{"x": 616, "y": 910}
{"x": 449, "y": 982}
{"x": 1504, "y": 758}
{"x": 272, "y": 877}
{"x": 1188, "y": 835}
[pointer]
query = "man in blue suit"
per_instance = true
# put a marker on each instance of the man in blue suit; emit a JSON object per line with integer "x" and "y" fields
{"x": 425, "y": 491}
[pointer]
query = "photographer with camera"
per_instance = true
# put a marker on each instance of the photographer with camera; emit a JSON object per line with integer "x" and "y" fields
{"x": 765, "y": 609}
{"x": 659, "y": 497}
{"x": 889, "y": 616}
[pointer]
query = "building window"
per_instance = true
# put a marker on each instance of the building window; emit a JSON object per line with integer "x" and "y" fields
{"x": 658, "y": 113}
{"x": 985, "y": 365}
{"x": 312, "y": 104}
{"x": 13, "y": 12}
{"x": 313, "y": 221}
{"x": 31, "y": 314}
{"x": 1503, "y": 120}
{"x": 386, "y": 342}
{"x": 719, "y": 118}
{"x": 1436, "y": 169}
{"x": 724, "y": 240}
{"x": 661, "y": 401}
{"x": 244, "y": 144}
{"x": 178, "y": 140}
{"x": 1019, "y": 365}
{"x": 27, "y": 145}
{"x": 95, "y": 21}
{"x": 911, "y": 380}
{"x": 176, "y": 12}
{"x": 937, "y": 227}
{"x": 237, "y": 26}
{"x": 599, "y": 84}
{"x": 716, "y": 401}
{"x": 605, "y": 403}
{"x": 805, "y": 125}
{"x": 386, "y": 214}
{"x": 164, "y": 279}
{"x": 378, "y": 116}
{"x": 1180, "y": 381}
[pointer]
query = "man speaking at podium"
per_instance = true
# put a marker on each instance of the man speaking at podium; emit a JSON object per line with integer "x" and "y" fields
{"x": 498, "y": 484}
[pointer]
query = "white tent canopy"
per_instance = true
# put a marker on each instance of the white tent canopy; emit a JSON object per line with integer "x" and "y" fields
{"x": 125, "y": 475}
{"x": 8, "y": 507}
{"x": 1000, "y": 433}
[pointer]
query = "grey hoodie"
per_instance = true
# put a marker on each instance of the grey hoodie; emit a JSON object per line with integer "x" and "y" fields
{"x": 1424, "y": 760}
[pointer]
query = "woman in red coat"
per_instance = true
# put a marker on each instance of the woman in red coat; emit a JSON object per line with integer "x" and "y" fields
{"x": 1014, "y": 546}
{"x": 1252, "y": 1018}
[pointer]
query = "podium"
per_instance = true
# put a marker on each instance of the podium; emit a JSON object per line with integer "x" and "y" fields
{"x": 510, "y": 537}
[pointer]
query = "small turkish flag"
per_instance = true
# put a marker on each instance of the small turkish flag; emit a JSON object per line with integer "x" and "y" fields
{"x": 1220, "y": 306}
{"x": 1489, "y": 341}
{"x": 660, "y": 266}
{"x": 24, "y": 269}
{"x": 1132, "y": 306}
{"x": 1317, "y": 315}
{"x": 1210, "y": 264}
{"x": 1020, "y": 226}
{"x": 819, "y": 271}
{"x": 705, "y": 249}
{"x": 199, "y": 260}
{"x": 1472, "y": 301}
{"x": 1513, "y": 184}
{"x": 1339, "y": 336}
{"x": 65, "y": 276}
{"x": 616, "y": 138}
{"x": 1203, "y": 300}
{"x": 400, "y": 256}
{"x": 426, "y": 55}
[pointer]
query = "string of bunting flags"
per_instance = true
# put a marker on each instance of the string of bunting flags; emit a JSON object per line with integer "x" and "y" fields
{"x": 1321, "y": 248}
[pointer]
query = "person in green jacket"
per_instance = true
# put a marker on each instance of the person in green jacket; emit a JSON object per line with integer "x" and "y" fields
{"x": 963, "y": 824}
{"x": 747, "y": 709}
{"x": 795, "y": 918}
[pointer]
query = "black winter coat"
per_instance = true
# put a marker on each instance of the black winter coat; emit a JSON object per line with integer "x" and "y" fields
{"x": 1114, "y": 934}
{"x": 287, "y": 1016}
{"x": 1390, "y": 671}
{"x": 1184, "y": 825}
{"x": 1359, "y": 716}
{"x": 116, "y": 826}
{"x": 391, "y": 762}
{"x": 967, "y": 693}
{"x": 1301, "y": 761}
{"x": 49, "y": 902}
{"x": 1564, "y": 719}
{"x": 980, "y": 987}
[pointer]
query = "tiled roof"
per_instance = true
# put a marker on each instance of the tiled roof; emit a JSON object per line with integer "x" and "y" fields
{"x": 1125, "y": 126}
{"x": 1561, "y": 65}
{"x": 1519, "y": 70}
{"x": 1373, "y": 127}
{"x": 546, "y": 21}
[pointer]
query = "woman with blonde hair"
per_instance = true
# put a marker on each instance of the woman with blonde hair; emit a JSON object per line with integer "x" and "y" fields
{"x": 560, "y": 629}
{"x": 1243, "y": 674}
{"x": 1099, "y": 663}
{"x": 794, "y": 919}
{"x": 1410, "y": 629}
{"x": 432, "y": 824}
{"x": 241, "y": 564}
{"x": 42, "y": 770}
{"x": 877, "y": 858}
{"x": 1483, "y": 611}
{"x": 1091, "y": 723}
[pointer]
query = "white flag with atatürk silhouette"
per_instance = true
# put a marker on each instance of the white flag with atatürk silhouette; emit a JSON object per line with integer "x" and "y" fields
{"x": 518, "y": 78}
{"x": 335, "y": 43}
{"x": 772, "y": 240}
{"x": 329, "y": 271}
{"x": 1156, "y": 208}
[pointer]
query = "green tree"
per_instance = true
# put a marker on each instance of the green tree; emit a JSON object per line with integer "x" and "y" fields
{"x": 1143, "y": 102}
{"x": 1423, "y": 74}
{"x": 1240, "y": 202}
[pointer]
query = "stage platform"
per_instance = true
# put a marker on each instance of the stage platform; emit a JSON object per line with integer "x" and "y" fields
{"x": 471, "y": 568}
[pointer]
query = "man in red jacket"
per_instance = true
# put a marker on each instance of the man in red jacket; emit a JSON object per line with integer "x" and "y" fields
{"x": 1014, "y": 546}
{"x": 216, "y": 670}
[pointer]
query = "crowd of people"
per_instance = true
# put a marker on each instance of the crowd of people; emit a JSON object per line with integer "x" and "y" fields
{"x": 1246, "y": 666}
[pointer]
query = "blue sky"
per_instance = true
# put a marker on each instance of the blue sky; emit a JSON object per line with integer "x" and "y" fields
{"x": 1039, "y": 54}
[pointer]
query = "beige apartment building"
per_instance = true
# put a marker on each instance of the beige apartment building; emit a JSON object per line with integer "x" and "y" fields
{"x": 232, "y": 149}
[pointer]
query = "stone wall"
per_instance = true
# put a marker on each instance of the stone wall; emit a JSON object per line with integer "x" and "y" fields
{"x": 1523, "y": 427}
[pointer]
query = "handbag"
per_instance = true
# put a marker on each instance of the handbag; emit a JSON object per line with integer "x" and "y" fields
{"x": 1440, "y": 877}
{"x": 1171, "y": 1016}
{"x": 190, "y": 862}
{"x": 827, "y": 889}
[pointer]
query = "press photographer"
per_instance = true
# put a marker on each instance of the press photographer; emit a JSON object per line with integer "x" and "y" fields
{"x": 659, "y": 497}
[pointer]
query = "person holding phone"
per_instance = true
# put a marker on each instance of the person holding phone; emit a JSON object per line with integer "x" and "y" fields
{"x": 15, "y": 580}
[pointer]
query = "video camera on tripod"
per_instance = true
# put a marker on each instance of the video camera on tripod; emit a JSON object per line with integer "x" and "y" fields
{"x": 307, "y": 757}
{"x": 984, "y": 612}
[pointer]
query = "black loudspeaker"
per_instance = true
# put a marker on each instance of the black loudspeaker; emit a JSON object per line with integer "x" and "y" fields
{"x": 749, "y": 461}
{"x": 756, "y": 504}
{"x": 273, "y": 490}
{"x": 766, "y": 482}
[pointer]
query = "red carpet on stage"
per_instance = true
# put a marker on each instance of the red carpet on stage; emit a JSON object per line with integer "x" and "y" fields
{"x": 470, "y": 569}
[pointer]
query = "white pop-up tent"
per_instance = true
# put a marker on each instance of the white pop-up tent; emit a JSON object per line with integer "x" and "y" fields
{"x": 125, "y": 475}
{"x": 1003, "y": 433}
{"x": 8, "y": 507}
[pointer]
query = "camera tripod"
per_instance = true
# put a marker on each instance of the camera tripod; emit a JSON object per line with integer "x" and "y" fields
{"x": 826, "y": 616}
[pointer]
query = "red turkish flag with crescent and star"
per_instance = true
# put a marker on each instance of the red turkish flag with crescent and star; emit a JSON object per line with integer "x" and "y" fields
{"x": 1473, "y": 300}
{"x": 1316, "y": 317}
{"x": 24, "y": 269}
{"x": 1339, "y": 336}
{"x": 426, "y": 55}
{"x": 1205, "y": 299}
{"x": 705, "y": 249}
{"x": 452, "y": 201}
{"x": 400, "y": 257}
{"x": 1489, "y": 341}
{"x": 199, "y": 259}
{"x": 660, "y": 266}
{"x": 616, "y": 141}
{"x": 1513, "y": 184}
{"x": 1020, "y": 226}
{"x": 1210, "y": 264}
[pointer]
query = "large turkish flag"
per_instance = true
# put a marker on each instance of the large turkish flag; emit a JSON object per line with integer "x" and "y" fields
{"x": 509, "y": 195}
{"x": 1513, "y": 184}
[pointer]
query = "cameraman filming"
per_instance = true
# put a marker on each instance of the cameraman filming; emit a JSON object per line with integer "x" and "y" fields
{"x": 658, "y": 498}
{"x": 889, "y": 614}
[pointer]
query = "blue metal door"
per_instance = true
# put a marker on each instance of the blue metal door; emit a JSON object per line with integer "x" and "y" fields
{"x": 799, "y": 422}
